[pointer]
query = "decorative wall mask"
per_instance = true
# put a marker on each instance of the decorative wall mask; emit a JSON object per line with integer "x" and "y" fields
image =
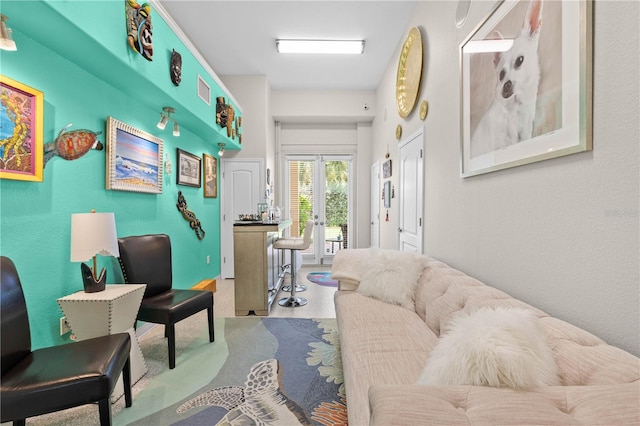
{"x": 175, "y": 68}
{"x": 190, "y": 216}
{"x": 221, "y": 111}
{"x": 72, "y": 145}
{"x": 139, "y": 28}
{"x": 230, "y": 120}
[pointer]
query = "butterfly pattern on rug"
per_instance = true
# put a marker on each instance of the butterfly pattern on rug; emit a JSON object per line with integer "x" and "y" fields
{"x": 261, "y": 402}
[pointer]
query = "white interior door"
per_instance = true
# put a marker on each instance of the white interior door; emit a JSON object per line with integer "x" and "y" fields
{"x": 411, "y": 185}
{"x": 375, "y": 204}
{"x": 242, "y": 186}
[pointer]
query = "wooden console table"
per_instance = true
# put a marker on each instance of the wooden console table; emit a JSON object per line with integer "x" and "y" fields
{"x": 256, "y": 265}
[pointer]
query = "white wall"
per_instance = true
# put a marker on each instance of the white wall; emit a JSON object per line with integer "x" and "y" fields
{"x": 254, "y": 94}
{"x": 323, "y": 106}
{"x": 562, "y": 234}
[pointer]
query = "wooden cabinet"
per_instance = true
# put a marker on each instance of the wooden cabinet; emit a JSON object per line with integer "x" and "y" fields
{"x": 256, "y": 266}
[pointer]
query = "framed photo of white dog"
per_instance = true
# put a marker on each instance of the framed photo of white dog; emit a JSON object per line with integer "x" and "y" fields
{"x": 526, "y": 84}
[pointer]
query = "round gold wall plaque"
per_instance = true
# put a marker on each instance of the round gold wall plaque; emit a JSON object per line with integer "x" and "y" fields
{"x": 409, "y": 73}
{"x": 424, "y": 108}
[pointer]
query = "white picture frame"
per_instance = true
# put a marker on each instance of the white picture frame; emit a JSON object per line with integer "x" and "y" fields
{"x": 562, "y": 122}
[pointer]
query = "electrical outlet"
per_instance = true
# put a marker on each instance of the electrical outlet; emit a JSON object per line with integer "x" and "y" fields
{"x": 208, "y": 260}
{"x": 64, "y": 326}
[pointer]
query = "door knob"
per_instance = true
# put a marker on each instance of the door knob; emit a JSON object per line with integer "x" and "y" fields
{"x": 399, "y": 229}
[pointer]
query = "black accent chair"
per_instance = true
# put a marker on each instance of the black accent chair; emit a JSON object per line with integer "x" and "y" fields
{"x": 59, "y": 377}
{"x": 146, "y": 259}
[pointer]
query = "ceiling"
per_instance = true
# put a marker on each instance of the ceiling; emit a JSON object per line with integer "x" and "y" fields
{"x": 238, "y": 38}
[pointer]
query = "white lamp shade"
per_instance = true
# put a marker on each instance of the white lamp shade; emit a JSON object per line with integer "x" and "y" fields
{"x": 91, "y": 234}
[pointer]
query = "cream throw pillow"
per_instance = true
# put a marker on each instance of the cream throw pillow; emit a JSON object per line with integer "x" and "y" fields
{"x": 502, "y": 347}
{"x": 391, "y": 276}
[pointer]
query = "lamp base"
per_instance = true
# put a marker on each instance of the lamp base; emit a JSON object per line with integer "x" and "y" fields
{"x": 90, "y": 284}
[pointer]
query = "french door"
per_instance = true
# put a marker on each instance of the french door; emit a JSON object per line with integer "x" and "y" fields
{"x": 319, "y": 187}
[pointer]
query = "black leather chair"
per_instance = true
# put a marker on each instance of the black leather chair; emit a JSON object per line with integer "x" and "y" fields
{"x": 59, "y": 377}
{"x": 146, "y": 259}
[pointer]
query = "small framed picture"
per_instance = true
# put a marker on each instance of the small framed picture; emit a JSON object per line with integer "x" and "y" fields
{"x": 188, "y": 169}
{"x": 386, "y": 194}
{"x": 386, "y": 169}
{"x": 210, "y": 176}
{"x": 134, "y": 159}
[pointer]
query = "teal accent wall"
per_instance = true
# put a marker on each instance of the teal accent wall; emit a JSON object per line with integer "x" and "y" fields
{"x": 76, "y": 53}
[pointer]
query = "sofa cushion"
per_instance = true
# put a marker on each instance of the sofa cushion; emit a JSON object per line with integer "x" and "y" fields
{"x": 376, "y": 338}
{"x": 391, "y": 276}
{"x": 477, "y": 405}
{"x": 500, "y": 347}
{"x": 584, "y": 359}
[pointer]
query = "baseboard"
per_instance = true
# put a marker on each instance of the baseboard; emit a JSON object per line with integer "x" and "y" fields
{"x": 206, "y": 284}
{"x": 144, "y": 329}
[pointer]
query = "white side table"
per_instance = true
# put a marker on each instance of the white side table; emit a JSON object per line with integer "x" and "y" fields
{"x": 111, "y": 311}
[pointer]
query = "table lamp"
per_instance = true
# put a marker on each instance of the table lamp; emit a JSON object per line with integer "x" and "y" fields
{"x": 91, "y": 234}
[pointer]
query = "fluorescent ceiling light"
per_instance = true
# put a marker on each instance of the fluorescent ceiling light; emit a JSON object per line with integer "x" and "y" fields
{"x": 353, "y": 47}
{"x": 485, "y": 46}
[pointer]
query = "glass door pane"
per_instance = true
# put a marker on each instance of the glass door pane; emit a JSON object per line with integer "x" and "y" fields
{"x": 336, "y": 206}
{"x": 300, "y": 200}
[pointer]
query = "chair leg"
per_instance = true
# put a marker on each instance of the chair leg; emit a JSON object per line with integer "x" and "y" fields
{"x": 212, "y": 336}
{"x": 126, "y": 381}
{"x": 22, "y": 422}
{"x": 170, "y": 332}
{"x": 104, "y": 407}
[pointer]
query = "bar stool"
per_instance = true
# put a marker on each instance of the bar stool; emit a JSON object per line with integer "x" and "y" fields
{"x": 295, "y": 244}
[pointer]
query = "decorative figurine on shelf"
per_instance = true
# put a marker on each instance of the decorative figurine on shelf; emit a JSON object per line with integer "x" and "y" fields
{"x": 175, "y": 68}
{"x": 221, "y": 112}
{"x": 93, "y": 284}
{"x": 139, "y": 28}
{"x": 72, "y": 145}
{"x": 190, "y": 216}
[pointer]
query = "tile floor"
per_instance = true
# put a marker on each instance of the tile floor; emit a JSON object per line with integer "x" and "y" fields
{"x": 320, "y": 298}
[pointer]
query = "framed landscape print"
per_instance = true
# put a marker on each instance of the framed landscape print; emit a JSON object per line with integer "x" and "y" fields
{"x": 526, "y": 85}
{"x": 134, "y": 159}
{"x": 210, "y": 176}
{"x": 188, "y": 169}
{"x": 21, "y": 131}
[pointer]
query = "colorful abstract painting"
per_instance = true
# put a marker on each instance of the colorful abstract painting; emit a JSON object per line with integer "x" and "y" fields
{"x": 21, "y": 134}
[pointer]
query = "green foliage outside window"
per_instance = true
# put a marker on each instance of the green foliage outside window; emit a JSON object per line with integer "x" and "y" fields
{"x": 305, "y": 212}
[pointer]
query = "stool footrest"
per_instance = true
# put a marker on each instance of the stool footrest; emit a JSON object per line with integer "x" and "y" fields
{"x": 292, "y": 302}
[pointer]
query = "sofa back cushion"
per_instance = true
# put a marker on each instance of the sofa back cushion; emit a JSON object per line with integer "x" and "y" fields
{"x": 582, "y": 358}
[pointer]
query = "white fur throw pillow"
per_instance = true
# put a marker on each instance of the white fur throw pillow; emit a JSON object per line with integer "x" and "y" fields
{"x": 499, "y": 347}
{"x": 391, "y": 276}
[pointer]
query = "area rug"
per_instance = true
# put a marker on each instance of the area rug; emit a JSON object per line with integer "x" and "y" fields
{"x": 322, "y": 278}
{"x": 273, "y": 371}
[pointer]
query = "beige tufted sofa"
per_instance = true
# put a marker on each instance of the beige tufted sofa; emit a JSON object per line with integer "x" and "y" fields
{"x": 385, "y": 347}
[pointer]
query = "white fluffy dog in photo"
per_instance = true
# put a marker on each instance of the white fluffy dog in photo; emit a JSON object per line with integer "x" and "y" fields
{"x": 501, "y": 347}
{"x": 509, "y": 117}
